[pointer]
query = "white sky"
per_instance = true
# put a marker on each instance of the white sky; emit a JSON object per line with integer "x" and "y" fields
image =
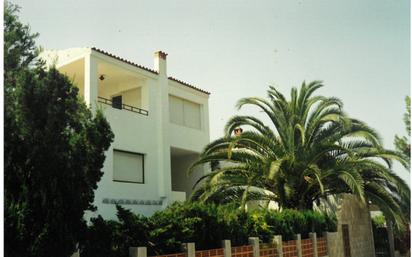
{"x": 234, "y": 49}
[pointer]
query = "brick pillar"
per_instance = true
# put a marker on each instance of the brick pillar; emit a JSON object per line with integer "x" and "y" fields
{"x": 254, "y": 241}
{"x": 227, "y": 248}
{"x": 314, "y": 243}
{"x": 137, "y": 252}
{"x": 299, "y": 245}
{"x": 278, "y": 242}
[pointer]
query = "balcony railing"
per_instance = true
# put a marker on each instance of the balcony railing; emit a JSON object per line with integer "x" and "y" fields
{"x": 123, "y": 106}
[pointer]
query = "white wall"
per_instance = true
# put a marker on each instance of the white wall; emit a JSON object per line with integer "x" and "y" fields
{"x": 181, "y": 181}
{"x": 134, "y": 133}
{"x": 151, "y": 135}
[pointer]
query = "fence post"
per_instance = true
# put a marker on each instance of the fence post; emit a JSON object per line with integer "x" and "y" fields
{"x": 190, "y": 249}
{"x": 227, "y": 248}
{"x": 278, "y": 242}
{"x": 137, "y": 252}
{"x": 299, "y": 245}
{"x": 254, "y": 241}
{"x": 314, "y": 243}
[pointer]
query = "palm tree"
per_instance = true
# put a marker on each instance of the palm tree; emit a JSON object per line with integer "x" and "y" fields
{"x": 312, "y": 150}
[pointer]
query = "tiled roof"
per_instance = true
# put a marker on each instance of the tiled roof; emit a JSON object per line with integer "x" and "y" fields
{"x": 188, "y": 85}
{"x": 147, "y": 69}
{"x": 123, "y": 60}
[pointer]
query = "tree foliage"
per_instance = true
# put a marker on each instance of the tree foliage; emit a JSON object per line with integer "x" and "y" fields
{"x": 403, "y": 144}
{"x": 19, "y": 43}
{"x": 54, "y": 151}
{"x": 310, "y": 150}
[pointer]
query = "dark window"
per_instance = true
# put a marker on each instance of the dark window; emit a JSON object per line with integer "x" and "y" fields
{"x": 346, "y": 240}
{"x": 117, "y": 102}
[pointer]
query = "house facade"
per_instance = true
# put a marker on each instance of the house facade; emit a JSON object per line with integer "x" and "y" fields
{"x": 160, "y": 124}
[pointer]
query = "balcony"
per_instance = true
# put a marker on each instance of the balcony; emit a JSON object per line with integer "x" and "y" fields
{"x": 122, "y": 106}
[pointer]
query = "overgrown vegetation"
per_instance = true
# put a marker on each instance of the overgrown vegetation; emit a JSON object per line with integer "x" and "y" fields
{"x": 206, "y": 224}
{"x": 310, "y": 149}
{"x": 403, "y": 144}
{"x": 54, "y": 151}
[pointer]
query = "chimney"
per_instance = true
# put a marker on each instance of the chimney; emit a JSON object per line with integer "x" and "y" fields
{"x": 238, "y": 131}
{"x": 160, "y": 62}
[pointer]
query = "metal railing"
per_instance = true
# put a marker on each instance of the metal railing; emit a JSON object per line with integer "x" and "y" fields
{"x": 123, "y": 106}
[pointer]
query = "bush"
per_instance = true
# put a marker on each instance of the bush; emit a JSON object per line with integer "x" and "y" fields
{"x": 111, "y": 238}
{"x": 265, "y": 223}
{"x": 206, "y": 224}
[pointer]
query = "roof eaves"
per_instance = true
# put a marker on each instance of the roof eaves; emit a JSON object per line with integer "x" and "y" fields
{"x": 124, "y": 60}
{"x": 147, "y": 69}
{"x": 189, "y": 85}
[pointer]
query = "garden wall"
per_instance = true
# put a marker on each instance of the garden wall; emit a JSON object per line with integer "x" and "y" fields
{"x": 354, "y": 230}
{"x": 312, "y": 247}
{"x": 353, "y": 238}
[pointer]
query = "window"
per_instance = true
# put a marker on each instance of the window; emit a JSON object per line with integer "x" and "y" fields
{"x": 184, "y": 112}
{"x": 117, "y": 102}
{"x": 128, "y": 167}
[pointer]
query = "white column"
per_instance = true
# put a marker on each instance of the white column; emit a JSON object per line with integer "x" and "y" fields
{"x": 90, "y": 82}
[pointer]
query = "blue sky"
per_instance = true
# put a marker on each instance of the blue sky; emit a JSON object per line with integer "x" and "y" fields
{"x": 234, "y": 49}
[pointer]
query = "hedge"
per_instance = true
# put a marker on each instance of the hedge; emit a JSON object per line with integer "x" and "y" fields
{"x": 206, "y": 224}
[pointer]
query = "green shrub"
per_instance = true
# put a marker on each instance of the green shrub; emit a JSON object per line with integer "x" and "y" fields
{"x": 111, "y": 238}
{"x": 205, "y": 224}
{"x": 379, "y": 221}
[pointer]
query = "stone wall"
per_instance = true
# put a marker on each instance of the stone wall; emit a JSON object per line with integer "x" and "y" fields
{"x": 356, "y": 215}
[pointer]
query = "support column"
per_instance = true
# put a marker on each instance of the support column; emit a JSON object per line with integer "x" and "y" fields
{"x": 90, "y": 82}
{"x": 277, "y": 240}
{"x": 227, "y": 248}
{"x": 312, "y": 236}
{"x": 299, "y": 245}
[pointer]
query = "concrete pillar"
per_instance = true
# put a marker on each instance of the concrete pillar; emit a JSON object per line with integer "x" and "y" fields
{"x": 227, "y": 248}
{"x": 277, "y": 240}
{"x": 254, "y": 241}
{"x": 137, "y": 252}
{"x": 299, "y": 245}
{"x": 90, "y": 82}
{"x": 190, "y": 249}
{"x": 312, "y": 236}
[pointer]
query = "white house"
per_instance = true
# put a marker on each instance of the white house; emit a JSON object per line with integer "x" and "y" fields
{"x": 160, "y": 125}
